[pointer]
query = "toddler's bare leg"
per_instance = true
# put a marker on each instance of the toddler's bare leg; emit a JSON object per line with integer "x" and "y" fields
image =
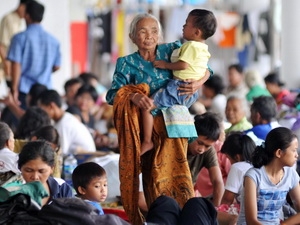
{"x": 147, "y": 143}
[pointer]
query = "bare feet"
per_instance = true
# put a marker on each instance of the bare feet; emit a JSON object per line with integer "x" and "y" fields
{"x": 146, "y": 146}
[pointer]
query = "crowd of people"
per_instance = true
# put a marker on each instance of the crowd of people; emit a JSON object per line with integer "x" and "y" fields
{"x": 231, "y": 161}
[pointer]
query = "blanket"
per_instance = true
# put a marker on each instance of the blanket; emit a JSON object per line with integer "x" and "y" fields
{"x": 179, "y": 122}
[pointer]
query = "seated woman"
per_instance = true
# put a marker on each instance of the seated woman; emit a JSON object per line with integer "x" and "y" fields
{"x": 36, "y": 163}
{"x": 92, "y": 79}
{"x": 276, "y": 88}
{"x": 236, "y": 111}
{"x": 8, "y": 159}
{"x": 49, "y": 133}
{"x": 85, "y": 99}
{"x": 271, "y": 179}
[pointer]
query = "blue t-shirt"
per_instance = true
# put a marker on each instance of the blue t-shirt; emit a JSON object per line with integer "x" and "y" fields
{"x": 261, "y": 130}
{"x": 37, "y": 52}
{"x": 96, "y": 205}
{"x": 270, "y": 197}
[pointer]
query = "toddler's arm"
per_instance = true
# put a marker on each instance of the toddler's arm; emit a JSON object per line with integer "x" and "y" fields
{"x": 179, "y": 65}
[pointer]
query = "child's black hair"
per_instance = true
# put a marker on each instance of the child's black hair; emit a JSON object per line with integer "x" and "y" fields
{"x": 84, "y": 173}
{"x": 205, "y": 21}
{"x": 208, "y": 125}
{"x": 278, "y": 138}
{"x": 238, "y": 143}
{"x": 274, "y": 78}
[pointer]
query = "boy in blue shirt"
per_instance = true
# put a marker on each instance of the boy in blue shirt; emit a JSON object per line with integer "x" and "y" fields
{"x": 90, "y": 183}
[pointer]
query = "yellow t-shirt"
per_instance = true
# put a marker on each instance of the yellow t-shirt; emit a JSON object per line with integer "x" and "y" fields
{"x": 196, "y": 55}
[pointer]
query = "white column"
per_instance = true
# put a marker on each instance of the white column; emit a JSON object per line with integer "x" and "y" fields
{"x": 290, "y": 43}
{"x": 57, "y": 22}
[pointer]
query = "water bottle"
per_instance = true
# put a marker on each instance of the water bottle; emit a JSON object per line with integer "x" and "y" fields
{"x": 70, "y": 164}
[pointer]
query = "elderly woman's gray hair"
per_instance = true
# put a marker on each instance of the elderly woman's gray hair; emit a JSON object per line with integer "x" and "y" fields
{"x": 5, "y": 133}
{"x": 244, "y": 103}
{"x": 138, "y": 18}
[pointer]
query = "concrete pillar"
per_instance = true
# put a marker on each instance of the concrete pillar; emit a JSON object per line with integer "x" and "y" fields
{"x": 290, "y": 43}
{"x": 57, "y": 22}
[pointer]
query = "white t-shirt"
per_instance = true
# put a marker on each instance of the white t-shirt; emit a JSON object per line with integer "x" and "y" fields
{"x": 73, "y": 135}
{"x": 8, "y": 161}
{"x": 235, "y": 178}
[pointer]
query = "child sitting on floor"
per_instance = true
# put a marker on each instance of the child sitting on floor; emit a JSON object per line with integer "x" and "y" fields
{"x": 90, "y": 183}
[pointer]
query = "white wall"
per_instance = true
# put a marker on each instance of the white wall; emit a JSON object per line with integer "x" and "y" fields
{"x": 6, "y": 6}
{"x": 290, "y": 71}
{"x": 57, "y": 22}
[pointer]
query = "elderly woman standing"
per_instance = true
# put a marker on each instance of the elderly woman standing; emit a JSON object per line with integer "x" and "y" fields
{"x": 165, "y": 169}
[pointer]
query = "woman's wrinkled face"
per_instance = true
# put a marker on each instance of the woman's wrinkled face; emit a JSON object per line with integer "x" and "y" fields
{"x": 36, "y": 170}
{"x": 234, "y": 111}
{"x": 147, "y": 34}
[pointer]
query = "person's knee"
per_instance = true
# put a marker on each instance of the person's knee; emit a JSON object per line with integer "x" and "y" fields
{"x": 164, "y": 210}
{"x": 164, "y": 201}
{"x": 198, "y": 211}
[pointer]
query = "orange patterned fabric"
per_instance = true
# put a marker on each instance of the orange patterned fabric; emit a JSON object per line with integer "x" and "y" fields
{"x": 165, "y": 169}
{"x": 126, "y": 119}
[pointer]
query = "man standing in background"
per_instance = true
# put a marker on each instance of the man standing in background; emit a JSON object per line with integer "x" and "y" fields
{"x": 34, "y": 55}
{"x": 11, "y": 24}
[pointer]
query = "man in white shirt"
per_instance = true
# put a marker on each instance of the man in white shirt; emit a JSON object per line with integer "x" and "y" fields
{"x": 75, "y": 137}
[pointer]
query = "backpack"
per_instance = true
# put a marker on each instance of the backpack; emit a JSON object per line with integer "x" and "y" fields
{"x": 75, "y": 211}
{"x": 19, "y": 209}
{"x": 68, "y": 211}
{"x": 110, "y": 219}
